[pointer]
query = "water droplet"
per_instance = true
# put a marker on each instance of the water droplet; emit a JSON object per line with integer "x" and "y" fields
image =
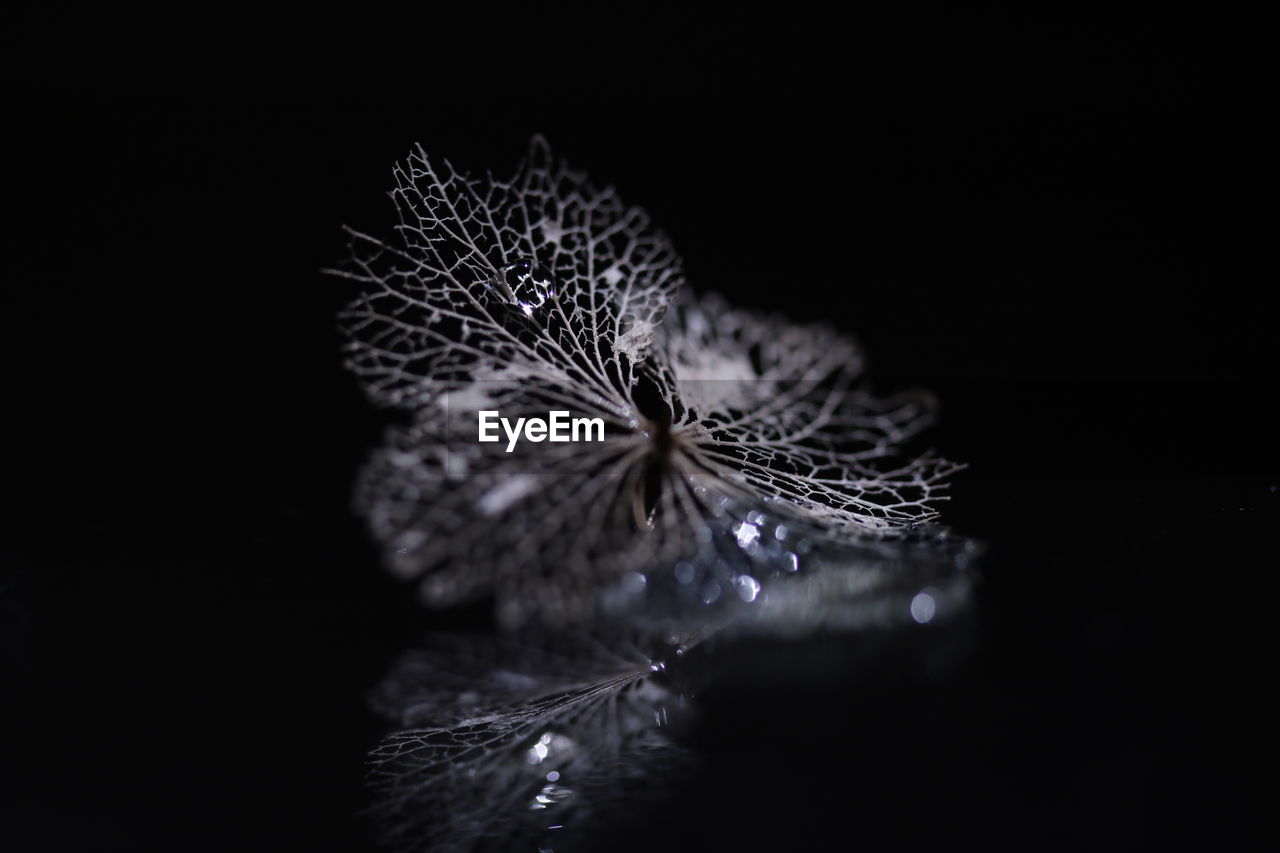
{"x": 548, "y": 744}
{"x": 539, "y": 750}
{"x": 684, "y": 572}
{"x": 529, "y": 284}
{"x": 550, "y": 795}
{"x": 710, "y": 592}
{"x": 747, "y": 534}
{"x": 748, "y": 587}
{"x": 923, "y": 607}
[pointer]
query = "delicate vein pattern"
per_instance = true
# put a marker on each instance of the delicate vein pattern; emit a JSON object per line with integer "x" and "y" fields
{"x": 523, "y": 745}
{"x": 776, "y": 407}
{"x": 541, "y": 278}
{"x": 543, "y": 292}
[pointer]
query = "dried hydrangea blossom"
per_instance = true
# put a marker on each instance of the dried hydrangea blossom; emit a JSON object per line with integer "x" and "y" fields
{"x": 723, "y": 429}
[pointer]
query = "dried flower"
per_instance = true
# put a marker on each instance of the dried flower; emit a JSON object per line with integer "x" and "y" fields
{"x": 735, "y": 444}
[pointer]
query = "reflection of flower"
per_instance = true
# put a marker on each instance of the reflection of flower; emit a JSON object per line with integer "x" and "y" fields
{"x": 523, "y": 742}
{"x": 542, "y": 292}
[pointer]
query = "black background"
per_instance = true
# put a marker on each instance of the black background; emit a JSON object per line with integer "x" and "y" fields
{"x": 1025, "y": 215}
